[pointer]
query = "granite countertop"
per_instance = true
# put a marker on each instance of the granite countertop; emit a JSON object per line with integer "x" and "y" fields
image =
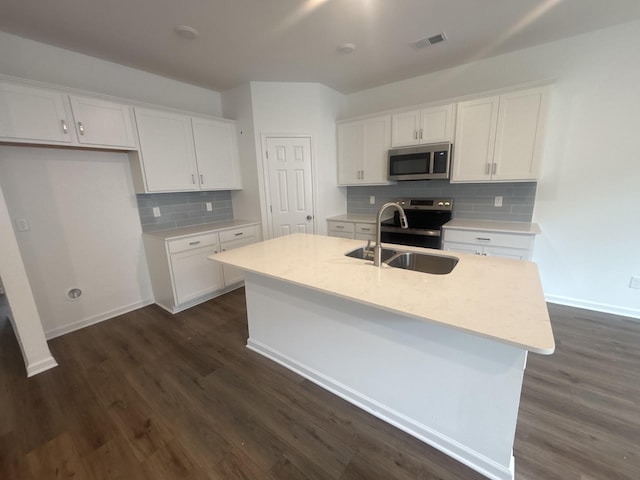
{"x": 496, "y": 298}
{"x": 198, "y": 229}
{"x": 494, "y": 226}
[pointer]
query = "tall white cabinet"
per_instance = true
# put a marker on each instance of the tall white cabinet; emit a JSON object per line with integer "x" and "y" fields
{"x": 363, "y": 146}
{"x": 180, "y": 153}
{"x": 500, "y": 138}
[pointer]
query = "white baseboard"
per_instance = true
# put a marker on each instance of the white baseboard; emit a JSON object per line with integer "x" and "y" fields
{"x": 40, "y": 366}
{"x": 450, "y": 447}
{"x": 72, "y": 327}
{"x": 632, "y": 313}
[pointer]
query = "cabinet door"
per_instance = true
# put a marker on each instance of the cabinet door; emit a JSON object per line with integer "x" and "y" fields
{"x": 194, "y": 275}
{"x": 349, "y": 153}
{"x": 504, "y": 252}
{"x": 462, "y": 248}
{"x": 99, "y": 122}
{"x": 405, "y": 129}
{"x": 519, "y": 135}
{"x": 166, "y": 151}
{"x": 32, "y": 115}
{"x": 436, "y": 124}
{"x": 475, "y": 140}
{"x": 376, "y": 140}
{"x": 216, "y": 150}
{"x": 233, "y": 275}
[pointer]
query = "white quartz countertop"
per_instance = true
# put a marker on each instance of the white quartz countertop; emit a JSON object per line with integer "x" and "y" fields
{"x": 197, "y": 229}
{"x": 355, "y": 217}
{"x": 496, "y": 298}
{"x": 494, "y": 226}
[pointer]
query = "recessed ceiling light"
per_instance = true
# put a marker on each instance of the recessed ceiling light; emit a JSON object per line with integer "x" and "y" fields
{"x": 185, "y": 31}
{"x": 427, "y": 41}
{"x": 346, "y": 48}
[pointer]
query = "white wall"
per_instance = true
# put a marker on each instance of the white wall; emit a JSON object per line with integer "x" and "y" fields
{"x": 24, "y": 58}
{"x": 588, "y": 201}
{"x": 84, "y": 232}
{"x": 303, "y": 108}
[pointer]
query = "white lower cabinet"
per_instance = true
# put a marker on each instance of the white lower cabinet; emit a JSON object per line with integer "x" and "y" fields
{"x": 348, "y": 229}
{"x": 496, "y": 244}
{"x": 183, "y": 275}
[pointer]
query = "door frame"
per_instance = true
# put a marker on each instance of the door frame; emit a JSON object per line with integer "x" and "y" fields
{"x": 266, "y": 198}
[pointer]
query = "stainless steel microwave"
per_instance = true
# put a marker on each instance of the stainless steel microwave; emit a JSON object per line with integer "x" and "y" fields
{"x": 423, "y": 162}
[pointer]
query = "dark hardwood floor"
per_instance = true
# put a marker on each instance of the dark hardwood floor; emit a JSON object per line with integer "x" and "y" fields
{"x": 151, "y": 396}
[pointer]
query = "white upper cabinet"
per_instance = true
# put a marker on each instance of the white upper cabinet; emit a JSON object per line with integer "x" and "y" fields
{"x": 428, "y": 125}
{"x": 216, "y": 148}
{"x": 500, "y": 138}
{"x": 166, "y": 151}
{"x": 179, "y": 153}
{"x": 33, "y": 115}
{"x": 363, "y": 147}
{"x": 102, "y": 123}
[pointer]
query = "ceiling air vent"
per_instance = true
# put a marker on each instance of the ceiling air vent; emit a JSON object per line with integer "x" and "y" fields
{"x": 425, "y": 42}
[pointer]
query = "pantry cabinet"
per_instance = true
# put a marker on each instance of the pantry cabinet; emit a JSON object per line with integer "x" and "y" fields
{"x": 500, "y": 138}
{"x": 182, "y": 274}
{"x": 427, "y": 125}
{"x": 102, "y": 123}
{"x": 33, "y": 115}
{"x": 363, "y": 146}
{"x": 180, "y": 153}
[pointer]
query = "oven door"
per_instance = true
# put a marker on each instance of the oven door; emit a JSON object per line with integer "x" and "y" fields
{"x": 413, "y": 237}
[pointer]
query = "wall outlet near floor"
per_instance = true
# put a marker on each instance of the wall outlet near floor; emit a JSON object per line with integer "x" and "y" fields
{"x": 22, "y": 225}
{"x": 635, "y": 281}
{"x": 156, "y": 211}
{"x": 372, "y": 200}
{"x": 209, "y": 207}
{"x": 498, "y": 201}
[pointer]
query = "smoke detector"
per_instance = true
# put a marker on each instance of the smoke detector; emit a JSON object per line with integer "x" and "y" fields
{"x": 428, "y": 41}
{"x": 346, "y": 48}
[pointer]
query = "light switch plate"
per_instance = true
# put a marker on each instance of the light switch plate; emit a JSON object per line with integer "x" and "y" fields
{"x": 372, "y": 200}
{"x": 635, "y": 282}
{"x": 209, "y": 207}
{"x": 22, "y": 225}
{"x": 156, "y": 211}
{"x": 498, "y": 201}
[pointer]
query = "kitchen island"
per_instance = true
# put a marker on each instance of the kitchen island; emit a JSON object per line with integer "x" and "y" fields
{"x": 441, "y": 357}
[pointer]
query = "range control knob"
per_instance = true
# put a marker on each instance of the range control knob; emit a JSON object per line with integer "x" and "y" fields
{"x": 440, "y": 204}
{"x": 446, "y": 204}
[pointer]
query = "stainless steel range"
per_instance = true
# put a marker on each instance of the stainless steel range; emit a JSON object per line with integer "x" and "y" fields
{"x": 425, "y": 218}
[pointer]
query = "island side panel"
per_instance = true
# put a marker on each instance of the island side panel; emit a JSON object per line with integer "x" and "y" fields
{"x": 458, "y": 392}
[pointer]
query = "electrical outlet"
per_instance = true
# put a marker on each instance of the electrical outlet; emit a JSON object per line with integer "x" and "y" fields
{"x": 209, "y": 207}
{"x": 372, "y": 200}
{"x": 22, "y": 225}
{"x": 635, "y": 282}
{"x": 156, "y": 211}
{"x": 498, "y": 201}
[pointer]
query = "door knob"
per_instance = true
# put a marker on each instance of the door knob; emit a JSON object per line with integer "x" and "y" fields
{"x": 309, "y": 217}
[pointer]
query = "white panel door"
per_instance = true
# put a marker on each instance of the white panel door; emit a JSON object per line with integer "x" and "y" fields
{"x": 290, "y": 185}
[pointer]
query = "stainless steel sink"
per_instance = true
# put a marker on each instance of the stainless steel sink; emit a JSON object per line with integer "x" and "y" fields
{"x": 423, "y": 262}
{"x": 364, "y": 254}
{"x": 419, "y": 262}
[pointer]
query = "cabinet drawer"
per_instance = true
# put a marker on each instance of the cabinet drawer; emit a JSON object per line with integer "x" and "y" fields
{"x": 366, "y": 228}
{"x": 237, "y": 233}
{"x": 488, "y": 238}
{"x": 182, "y": 244}
{"x": 341, "y": 227}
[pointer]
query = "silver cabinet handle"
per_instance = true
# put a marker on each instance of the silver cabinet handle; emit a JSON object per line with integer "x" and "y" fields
{"x": 339, "y": 226}
{"x": 366, "y": 229}
{"x": 483, "y": 239}
{"x": 81, "y": 128}
{"x": 487, "y": 166}
{"x": 494, "y": 168}
{"x": 201, "y": 179}
{"x": 64, "y": 126}
{"x": 415, "y": 134}
{"x": 193, "y": 179}
{"x": 194, "y": 243}
{"x": 237, "y": 234}
{"x": 420, "y": 134}
{"x": 362, "y": 177}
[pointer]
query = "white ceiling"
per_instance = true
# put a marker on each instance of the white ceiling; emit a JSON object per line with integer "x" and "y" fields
{"x": 296, "y": 40}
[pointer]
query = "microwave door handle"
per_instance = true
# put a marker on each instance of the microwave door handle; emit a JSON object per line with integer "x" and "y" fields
{"x": 431, "y": 163}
